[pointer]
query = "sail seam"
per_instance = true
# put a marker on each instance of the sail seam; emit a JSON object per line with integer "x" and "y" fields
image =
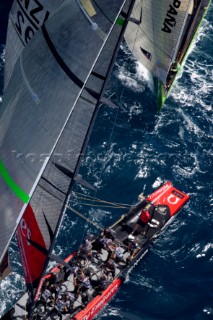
{"x": 12, "y": 184}
{"x": 51, "y": 193}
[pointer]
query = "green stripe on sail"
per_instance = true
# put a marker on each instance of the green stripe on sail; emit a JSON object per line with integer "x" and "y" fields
{"x": 120, "y": 22}
{"x": 11, "y": 183}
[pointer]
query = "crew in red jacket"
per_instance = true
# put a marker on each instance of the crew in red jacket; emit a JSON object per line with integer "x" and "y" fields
{"x": 144, "y": 218}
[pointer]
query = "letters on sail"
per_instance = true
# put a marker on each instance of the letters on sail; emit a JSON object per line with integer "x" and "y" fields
{"x": 170, "y": 20}
{"x": 155, "y": 40}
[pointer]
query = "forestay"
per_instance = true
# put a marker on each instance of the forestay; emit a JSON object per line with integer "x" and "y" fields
{"x": 154, "y": 33}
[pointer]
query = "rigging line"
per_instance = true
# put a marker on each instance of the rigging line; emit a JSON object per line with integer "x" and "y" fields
{"x": 114, "y": 53}
{"x": 101, "y": 206}
{"x": 94, "y": 223}
{"x": 113, "y": 127}
{"x": 89, "y": 198}
{"x": 108, "y": 144}
{"x": 85, "y": 218}
{"x": 66, "y": 216}
{"x": 85, "y": 140}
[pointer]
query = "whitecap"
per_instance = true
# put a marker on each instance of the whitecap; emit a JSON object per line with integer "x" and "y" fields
{"x": 142, "y": 72}
{"x": 159, "y": 181}
{"x": 129, "y": 80}
{"x": 205, "y": 250}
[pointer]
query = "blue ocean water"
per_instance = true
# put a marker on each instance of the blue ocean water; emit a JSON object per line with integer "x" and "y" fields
{"x": 132, "y": 147}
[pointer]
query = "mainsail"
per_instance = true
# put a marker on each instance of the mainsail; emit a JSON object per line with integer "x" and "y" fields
{"x": 154, "y": 34}
{"x": 49, "y": 108}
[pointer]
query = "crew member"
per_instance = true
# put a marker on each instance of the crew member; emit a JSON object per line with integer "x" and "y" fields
{"x": 110, "y": 267}
{"x": 115, "y": 253}
{"x": 81, "y": 282}
{"x": 144, "y": 218}
{"x": 60, "y": 275}
{"x": 46, "y": 298}
{"x": 70, "y": 298}
{"x": 102, "y": 283}
{"x": 61, "y": 307}
{"x": 132, "y": 247}
{"x": 86, "y": 247}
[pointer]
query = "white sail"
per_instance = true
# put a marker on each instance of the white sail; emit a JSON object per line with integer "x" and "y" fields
{"x": 153, "y": 33}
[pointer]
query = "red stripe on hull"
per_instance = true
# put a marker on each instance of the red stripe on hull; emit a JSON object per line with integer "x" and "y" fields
{"x": 99, "y": 302}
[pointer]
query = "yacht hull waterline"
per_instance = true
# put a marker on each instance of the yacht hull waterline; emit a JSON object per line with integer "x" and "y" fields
{"x": 163, "y": 205}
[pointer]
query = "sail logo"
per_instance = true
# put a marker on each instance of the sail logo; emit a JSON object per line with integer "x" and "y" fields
{"x": 170, "y": 21}
{"x": 174, "y": 197}
{"x": 28, "y": 17}
{"x": 25, "y": 230}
